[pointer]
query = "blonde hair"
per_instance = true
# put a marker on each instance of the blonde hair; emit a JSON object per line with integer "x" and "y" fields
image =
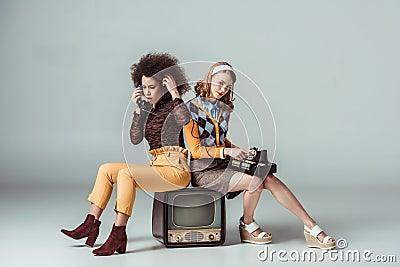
{"x": 203, "y": 87}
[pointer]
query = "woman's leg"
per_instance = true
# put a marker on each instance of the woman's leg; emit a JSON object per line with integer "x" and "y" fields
{"x": 287, "y": 199}
{"x": 108, "y": 175}
{"x": 95, "y": 211}
{"x": 253, "y": 188}
{"x": 126, "y": 192}
{"x": 99, "y": 197}
{"x": 102, "y": 189}
{"x": 250, "y": 201}
{"x": 128, "y": 180}
{"x": 126, "y": 195}
{"x": 121, "y": 219}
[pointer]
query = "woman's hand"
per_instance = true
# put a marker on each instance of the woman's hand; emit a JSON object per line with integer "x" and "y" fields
{"x": 136, "y": 97}
{"x": 169, "y": 82}
{"x": 236, "y": 153}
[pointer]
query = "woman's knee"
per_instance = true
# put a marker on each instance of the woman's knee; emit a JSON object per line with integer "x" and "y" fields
{"x": 254, "y": 184}
{"x": 105, "y": 167}
{"x": 269, "y": 181}
{"x": 240, "y": 182}
{"x": 124, "y": 174}
{"x": 256, "y": 188}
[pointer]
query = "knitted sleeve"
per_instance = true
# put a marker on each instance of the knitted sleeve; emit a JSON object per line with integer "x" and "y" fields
{"x": 137, "y": 128}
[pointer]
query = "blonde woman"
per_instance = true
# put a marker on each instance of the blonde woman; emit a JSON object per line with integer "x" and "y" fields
{"x": 210, "y": 152}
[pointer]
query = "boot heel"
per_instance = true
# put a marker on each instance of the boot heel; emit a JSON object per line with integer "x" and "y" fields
{"x": 122, "y": 248}
{"x": 90, "y": 241}
{"x": 93, "y": 234}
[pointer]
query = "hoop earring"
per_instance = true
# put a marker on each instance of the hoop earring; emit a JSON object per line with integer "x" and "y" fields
{"x": 231, "y": 97}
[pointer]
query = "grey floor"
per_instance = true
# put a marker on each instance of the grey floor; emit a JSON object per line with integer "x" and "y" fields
{"x": 32, "y": 216}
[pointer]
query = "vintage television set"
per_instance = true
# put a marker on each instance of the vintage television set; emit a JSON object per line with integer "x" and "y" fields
{"x": 192, "y": 216}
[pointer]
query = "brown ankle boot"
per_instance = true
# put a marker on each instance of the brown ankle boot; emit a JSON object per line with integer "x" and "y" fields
{"x": 115, "y": 242}
{"x": 89, "y": 228}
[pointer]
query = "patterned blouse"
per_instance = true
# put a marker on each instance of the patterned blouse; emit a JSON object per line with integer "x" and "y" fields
{"x": 161, "y": 125}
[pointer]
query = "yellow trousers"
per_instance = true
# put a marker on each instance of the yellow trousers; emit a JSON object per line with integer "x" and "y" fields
{"x": 167, "y": 171}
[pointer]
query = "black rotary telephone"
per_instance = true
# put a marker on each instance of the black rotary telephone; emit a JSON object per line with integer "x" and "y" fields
{"x": 256, "y": 163}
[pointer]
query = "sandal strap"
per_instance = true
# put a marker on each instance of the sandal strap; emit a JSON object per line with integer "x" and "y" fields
{"x": 314, "y": 231}
{"x": 325, "y": 241}
{"x": 250, "y": 227}
{"x": 261, "y": 235}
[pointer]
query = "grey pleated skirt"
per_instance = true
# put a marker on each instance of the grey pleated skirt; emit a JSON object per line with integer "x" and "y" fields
{"x": 212, "y": 174}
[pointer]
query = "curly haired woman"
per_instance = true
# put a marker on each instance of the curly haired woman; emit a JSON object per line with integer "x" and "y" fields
{"x": 160, "y": 121}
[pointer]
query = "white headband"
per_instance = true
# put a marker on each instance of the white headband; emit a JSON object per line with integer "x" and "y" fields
{"x": 221, "y": 68}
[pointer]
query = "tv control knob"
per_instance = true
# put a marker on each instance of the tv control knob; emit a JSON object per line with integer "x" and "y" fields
{"x": 211, "y": 236}
{"x": 178, "y": 238}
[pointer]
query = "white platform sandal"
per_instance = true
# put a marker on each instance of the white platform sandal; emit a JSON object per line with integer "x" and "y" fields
{"x": 313, "y": 241}
{"x": 246, "y": 236}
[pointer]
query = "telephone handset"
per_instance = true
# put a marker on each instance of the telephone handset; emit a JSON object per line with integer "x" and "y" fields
{"x": 142, "y": 101}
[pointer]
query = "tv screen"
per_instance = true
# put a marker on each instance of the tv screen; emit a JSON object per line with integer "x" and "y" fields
{"x": 193, "y": 210}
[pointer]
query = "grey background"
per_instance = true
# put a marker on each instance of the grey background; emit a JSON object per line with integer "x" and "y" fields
{"x": 329, "y": 70}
